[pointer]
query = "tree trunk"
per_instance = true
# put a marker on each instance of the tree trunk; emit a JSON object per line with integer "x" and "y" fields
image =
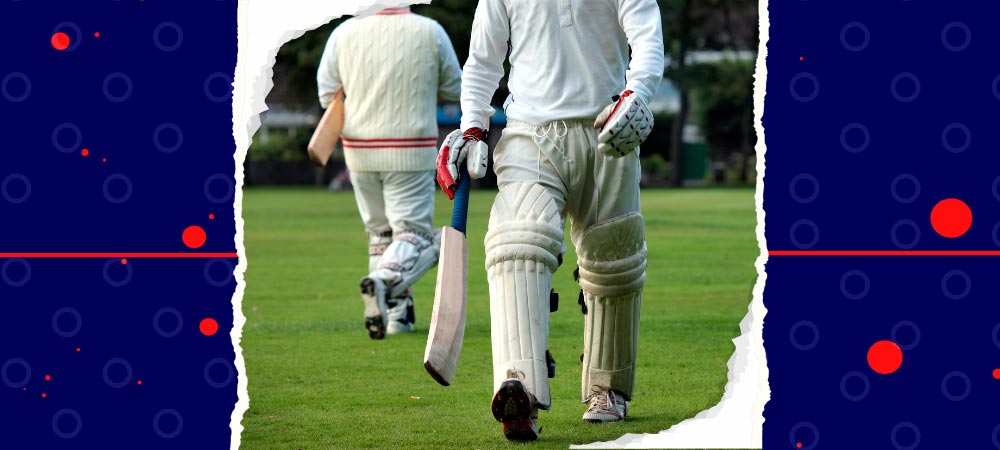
{"x": 676, "y": 177}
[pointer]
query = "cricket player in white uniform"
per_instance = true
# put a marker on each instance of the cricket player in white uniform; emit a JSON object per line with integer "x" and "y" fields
{"x": 392, "y": 67}
{"x": 576, "y": 115}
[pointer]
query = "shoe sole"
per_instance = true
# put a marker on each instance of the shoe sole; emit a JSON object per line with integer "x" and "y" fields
{"x": 375, "y": 324}
{"x": 512, "y": 407}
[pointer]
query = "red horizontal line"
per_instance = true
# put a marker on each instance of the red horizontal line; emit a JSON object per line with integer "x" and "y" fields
{"x": 389, "y": 146}
{"x": 883, "y": 252}
{"x": 118, "y": 255}
{"x": 392, "y": 140}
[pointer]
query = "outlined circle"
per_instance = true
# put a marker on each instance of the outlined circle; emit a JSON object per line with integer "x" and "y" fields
{"x": 107, "y": 90}
{"x": 230, "y": 373}
{"x": 128, "y": 373}
{"x": 128, "y": 188}
{"x": 996, "y": 87}
{"x": 5, "y": 84}
{"x": 804, "y": 76}
{"x": 6, "y": 378}
{"x": 171, "y": 412}
{"x": 208, "y": 87}
{"x": 230, "y": 188}
{"x": 956, "y": 397}
{"x": 843, "y": 386}
{"x": 855, "y": 273}
{"x": 795, "y": 429}
{"x": 6, "y": 277}
{"x": 947, "y": 292}
{"x": 895, "y": 83}
{"x": 893, "y": 188}
{"x": 854, "y": 126}
{"x": 156, "y": 322}
{"x": 168, "y": 126}
{"x": 996, "y": 335}
{"x": 70, "y": 434}
{"x": 965, "y": 43}
{"x": 996, "y": 436}
{"x": 795, "y": 342}
{"x": 67, "y": 333}
{"x": 208, "y": 272}
{"x": 107, "y": 276}
{"x": 896, "y": 429}
{"x": 6, "y": 185}
{"x": 66, "y": 148}
{"x": 996, "y": 188}
{"x": 916, "y": 334}
{"x": 996, "y": 234}
{"x": 804, "y": 177}
{"x": 74, "y": 41}
{"x": 801, "y": 223}
{"x": 895, "y": 229}
{"x": 956, "y": 126}
{"x": 864, "y": 42}
{"x": 160, "y": 45}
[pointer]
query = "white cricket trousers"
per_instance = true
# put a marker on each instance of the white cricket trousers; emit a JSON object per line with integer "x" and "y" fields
{"x": 392, "y": 203}
{"x": 546, "y": 174}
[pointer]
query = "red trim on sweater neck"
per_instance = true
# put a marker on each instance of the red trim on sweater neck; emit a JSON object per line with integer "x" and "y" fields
{"x": 393, "y": 11}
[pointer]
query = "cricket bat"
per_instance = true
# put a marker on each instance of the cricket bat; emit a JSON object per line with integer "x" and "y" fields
{"x": 444, "y": 340}
{"x": 327, "y": 133}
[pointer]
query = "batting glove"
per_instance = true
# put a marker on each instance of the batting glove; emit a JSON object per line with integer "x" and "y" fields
{"x": 624, "y": 125}
{"x": 459, "y": 146}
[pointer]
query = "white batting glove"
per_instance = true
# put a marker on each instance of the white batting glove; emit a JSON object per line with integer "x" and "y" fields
{"x": 461, "y": 146}
{"x": 624, "y": 125}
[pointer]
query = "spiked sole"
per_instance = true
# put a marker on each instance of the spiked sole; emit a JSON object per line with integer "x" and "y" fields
{"x": 375, "y": 310}
{"x": 512, "y": 406}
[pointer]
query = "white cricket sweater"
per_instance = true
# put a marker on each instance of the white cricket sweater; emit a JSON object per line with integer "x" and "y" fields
{"x": 567, "y": 57}
{"x": 392, "y": 67}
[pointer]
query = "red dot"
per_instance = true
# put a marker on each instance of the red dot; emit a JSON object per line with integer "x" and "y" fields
{"x": 951, "y": 217}
{"x": 798, "y": 445}
{"x": 194, "y": 236}
{"x": 996, "y": 373}
{"x": 208, "y": 326}
{"x": 97, "y": 34}
{"x": 124, "y": 261}
{"x": 139, "y": 382}
{"x": 24, "y": 389}
{"x": 78, "y": 349}
{"x": 84, "y": 152}
{"x": 60, "y": 41}
{"x": 211, "y": 217}
{"x": 885, "y": 357}
{"x": 801, "y": 59}
{"x": 47, "y": 378}
{"x": 43, "y": 395}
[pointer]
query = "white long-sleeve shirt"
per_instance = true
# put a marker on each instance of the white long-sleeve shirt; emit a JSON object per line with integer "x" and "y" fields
{"x": 392, "y": 68}
{"x": 567, "y": 57}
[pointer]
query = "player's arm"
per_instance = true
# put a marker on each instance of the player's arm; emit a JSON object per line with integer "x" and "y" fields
{"x": 480, "y": 78}
{"x": 328, "y": 82}
{"x": 449, "y": 71}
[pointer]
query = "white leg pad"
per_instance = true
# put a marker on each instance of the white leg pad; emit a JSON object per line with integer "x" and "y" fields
{"x": 410, "y": 255}
{"x": 612, "y": 260}
{"x": 377, "y": 244}
{"x": 521, "y": 247}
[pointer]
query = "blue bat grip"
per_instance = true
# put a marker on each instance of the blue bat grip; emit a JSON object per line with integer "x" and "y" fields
{"x": 460, "y": 211}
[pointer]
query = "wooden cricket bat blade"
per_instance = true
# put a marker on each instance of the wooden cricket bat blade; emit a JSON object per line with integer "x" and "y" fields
{"x": 444, "y": 340}
{"x": 327, "y": 133}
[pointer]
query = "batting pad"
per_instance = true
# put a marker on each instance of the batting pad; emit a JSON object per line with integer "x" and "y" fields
{"x": 408, "y": 257}
{"x": 377, "y": 243}
{"x": 612, "y": 260}
{"x": 523, "y": 240}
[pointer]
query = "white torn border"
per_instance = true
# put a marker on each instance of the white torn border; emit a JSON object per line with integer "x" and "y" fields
{"x": 265, "y": 25}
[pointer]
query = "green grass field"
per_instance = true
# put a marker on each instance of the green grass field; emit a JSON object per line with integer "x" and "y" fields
{"x": 316, "y": 381}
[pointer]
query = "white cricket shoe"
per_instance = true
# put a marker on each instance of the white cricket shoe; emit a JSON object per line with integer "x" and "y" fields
{"x": 373, "y": 293}
{"x": 401, "y": 316}
{"x": 606, "y": 405}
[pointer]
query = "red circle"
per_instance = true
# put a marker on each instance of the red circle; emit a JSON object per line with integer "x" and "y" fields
{"x": 208, "y": 326}
{"x": 104, "y": 159}
{"x": 951, "y": 217}
{"x": 78, "y": 349}
{"x": 798, "y": 445}
{"x": 84, "y": 152}
{"x": 194, "y": 236}
{"x": 124, "y": 261}
{"x": 211, "y": 217}
{"x": 59, "y": 41}
{"x": 97, "y": 34}
{"x": 47, "y": 378}
{"x": 885, "y": 357}
{"x": 43, "y": 395}
{"x": 996, "y": 373}
{"x": 139, "y": 382}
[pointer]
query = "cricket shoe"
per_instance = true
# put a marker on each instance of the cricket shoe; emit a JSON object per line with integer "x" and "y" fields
{"x": 515, "y": 408}
{"x": 401, "y": 315}
{"x": 606, "y": 405}
{"x": 373, "y": 293}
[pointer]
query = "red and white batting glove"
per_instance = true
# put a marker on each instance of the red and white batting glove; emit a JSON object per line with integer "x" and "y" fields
{"x": 461, "y": 146}
{"x": 624, "y": 125}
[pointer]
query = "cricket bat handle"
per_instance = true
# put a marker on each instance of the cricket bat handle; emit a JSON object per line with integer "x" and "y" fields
{"x": 460, "y": 211}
